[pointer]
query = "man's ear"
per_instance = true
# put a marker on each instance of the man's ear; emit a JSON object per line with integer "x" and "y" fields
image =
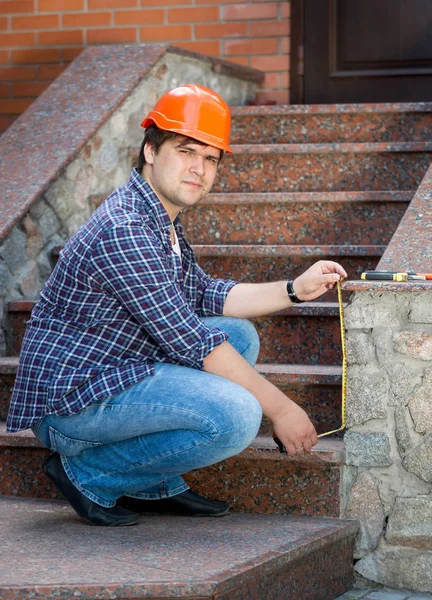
{"x": 149, "y": 153}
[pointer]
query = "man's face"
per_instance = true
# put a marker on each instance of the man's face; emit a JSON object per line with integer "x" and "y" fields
{"x": 181, "y": 173}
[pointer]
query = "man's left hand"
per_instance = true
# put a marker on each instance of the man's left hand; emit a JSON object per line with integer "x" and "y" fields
{"x": 318, "y": 279}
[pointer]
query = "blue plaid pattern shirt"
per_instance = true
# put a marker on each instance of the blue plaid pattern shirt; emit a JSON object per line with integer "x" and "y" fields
{"x": 119, "y": 300}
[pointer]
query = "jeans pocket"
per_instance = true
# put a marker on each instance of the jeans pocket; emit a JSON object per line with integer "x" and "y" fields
{"x": 68, "y": 446}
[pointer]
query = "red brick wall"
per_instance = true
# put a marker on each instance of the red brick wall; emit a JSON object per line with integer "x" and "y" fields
{"x": 38, "y": 38}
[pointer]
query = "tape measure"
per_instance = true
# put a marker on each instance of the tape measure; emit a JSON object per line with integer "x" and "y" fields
{"x": 344, "y": 363}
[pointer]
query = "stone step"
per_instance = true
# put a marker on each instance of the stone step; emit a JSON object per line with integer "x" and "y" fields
{"x": 314, "y": 387}
{"x": 296, "y": 218}
{"x": 304, "y": 485}
{"x": 330, "y": 123}
{"x": 241, "y": 557}
{"x": 323, "y": 167}
{"x": 287, "y": 336}
{"x": 262, "y": 263}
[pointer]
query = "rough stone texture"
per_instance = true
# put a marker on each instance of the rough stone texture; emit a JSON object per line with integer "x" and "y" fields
{"x": 366, "y": 397}
{"x": 398, "y": 567}
{"x": 402, "y": 380}
{"x": 404, "y": 430}
{"x": 420, "y": 404}
{"x": 420, "y": 311}
{"x": 411, "y": 343}
{"x": 364, "y": 315}
{"x": 410, "y": 523}
{"x": 365, "y": 506}
{"x": 367, "y": 449}
{"x": 359, "y": 348}
{"x": 419, "y": 461}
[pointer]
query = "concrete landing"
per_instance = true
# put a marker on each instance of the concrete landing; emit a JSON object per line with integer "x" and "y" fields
{"x": 47, "y": 552}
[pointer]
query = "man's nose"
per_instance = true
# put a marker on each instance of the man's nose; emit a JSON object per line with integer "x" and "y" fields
{"x": 198, "y": 165}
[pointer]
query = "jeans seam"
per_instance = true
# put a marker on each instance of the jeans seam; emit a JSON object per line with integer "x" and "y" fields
{"x": 83, "y": 491}
{"x": 175, "y": 492}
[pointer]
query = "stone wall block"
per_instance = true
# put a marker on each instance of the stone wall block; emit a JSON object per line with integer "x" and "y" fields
{"x": 366, "y": 397}
{"x": 413, "y": 343}
{"x": 367, "y": 449}
{"x": 419, "y": 461}
{"x": 405, "y": 437}
{"x": 34, "y": 238}
{"x": 29, "y": 282}
{"x": 13, "y": 250}
{"x": 420, "y": 404}
{"x": 398, "y": 567}
{"x": 383, "y": 343}
{"x": 83, "y": 186}
{"x": 402, "y": 382}
{"x": 364, "y": 314}
{"x": 365, "y": 506}
{"x": 5, "y": 276}
{"x": 410, "y": 523}
{"x": 421, "y": 309}
{"x": 359, "y": 347}
{"x": 60, "y": 196}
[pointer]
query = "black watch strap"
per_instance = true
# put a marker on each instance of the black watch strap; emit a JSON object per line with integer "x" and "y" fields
{"x": 291, "y": 293}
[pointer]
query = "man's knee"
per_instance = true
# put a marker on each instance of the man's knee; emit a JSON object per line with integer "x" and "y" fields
{"x": 243, "y": 335}
{"x": 243, "y": 415}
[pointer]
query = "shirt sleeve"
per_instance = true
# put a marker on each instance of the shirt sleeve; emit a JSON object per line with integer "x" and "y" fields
{"x": 130, "y": 264}
{"x": 212, "y": 293}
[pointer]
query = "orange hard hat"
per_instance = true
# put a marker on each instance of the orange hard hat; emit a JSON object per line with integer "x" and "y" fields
{"x": 194, "y": 111}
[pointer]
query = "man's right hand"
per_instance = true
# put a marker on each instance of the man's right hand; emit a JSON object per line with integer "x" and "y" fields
{"x": 294, "y": 429}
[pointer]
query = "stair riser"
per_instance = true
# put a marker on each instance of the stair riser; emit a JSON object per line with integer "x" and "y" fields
{"x": 322, "y": 404}
{"x": 326, "y": 172}
{"x": 280, "y": 335}
{"x": 299, "y": 340}
{"x": 263, "y": 269}
{"x": 6, "y": 387}
{"x": 332, "y": 128}
{"x": 279, "y": 486}
{"x": 271, "y": 486}
{"x": 288, "y": 223}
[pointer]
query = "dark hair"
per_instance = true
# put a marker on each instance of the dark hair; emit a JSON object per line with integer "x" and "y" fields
{"x": 157, "y": 137}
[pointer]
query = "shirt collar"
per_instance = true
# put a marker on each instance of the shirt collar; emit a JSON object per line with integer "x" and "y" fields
{"x": 151, "y": 201}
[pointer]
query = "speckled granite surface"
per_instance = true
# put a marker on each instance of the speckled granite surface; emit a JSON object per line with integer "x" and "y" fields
{"x": 411, "y": 246}
{"x": 70, "y": 111}
{"x": 47, "y": 552}
{"x": 332, "y": 123}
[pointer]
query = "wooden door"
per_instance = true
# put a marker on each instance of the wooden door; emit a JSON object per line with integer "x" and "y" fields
{"x": 361, "y": 51}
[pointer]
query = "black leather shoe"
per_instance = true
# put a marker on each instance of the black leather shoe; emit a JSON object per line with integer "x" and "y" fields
{"x": 187, "y": 503}
{"x": 89, "y": 511}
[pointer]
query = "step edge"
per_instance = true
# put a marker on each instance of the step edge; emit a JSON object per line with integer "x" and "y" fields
{"x": 305, "y": 197}
{"x": 332, "y": 148}
{"x": 334, "y": 109}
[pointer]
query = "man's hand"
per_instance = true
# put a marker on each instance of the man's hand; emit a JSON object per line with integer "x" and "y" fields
{"x": 318, "y": 279}
{"x": 294, "y": 429}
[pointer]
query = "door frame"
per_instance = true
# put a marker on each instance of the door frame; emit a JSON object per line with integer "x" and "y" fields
{"x": 297, "y": 52}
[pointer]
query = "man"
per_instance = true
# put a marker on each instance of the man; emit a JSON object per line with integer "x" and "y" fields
{"x": 136, "y": 366}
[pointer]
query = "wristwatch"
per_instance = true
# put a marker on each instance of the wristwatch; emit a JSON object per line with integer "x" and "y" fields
{"x": 291, "y": 293}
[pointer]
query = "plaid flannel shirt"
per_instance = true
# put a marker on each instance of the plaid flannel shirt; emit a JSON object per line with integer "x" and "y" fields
{"x": 119, "y": 300}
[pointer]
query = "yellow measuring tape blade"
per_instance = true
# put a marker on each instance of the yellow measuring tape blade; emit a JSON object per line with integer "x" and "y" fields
{"x": 344, "y": 363}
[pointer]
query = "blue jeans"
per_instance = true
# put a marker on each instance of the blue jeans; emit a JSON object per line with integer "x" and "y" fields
{"x": 141, "y": 441}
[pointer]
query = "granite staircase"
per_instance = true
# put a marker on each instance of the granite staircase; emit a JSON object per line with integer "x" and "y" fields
{"x": 338, "y": 190}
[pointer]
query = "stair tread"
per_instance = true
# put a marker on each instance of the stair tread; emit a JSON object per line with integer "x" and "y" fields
{"x": 337, "y": 109}
{"x": 288, "y": 249}
{"x": 227, "y": 556}
{"x": 300, "y": 197}
{"x": 332, "y": 147}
